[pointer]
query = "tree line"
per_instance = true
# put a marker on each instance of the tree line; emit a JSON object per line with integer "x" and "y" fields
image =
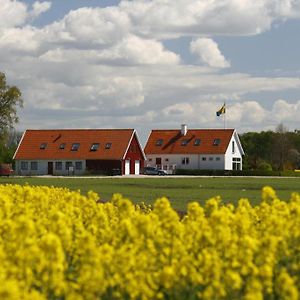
{"x": 271, "y": 150}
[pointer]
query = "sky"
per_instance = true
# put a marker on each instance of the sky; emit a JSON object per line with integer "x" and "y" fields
{"x": 153, "y": 64}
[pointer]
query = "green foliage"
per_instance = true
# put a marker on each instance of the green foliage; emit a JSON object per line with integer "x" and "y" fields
{"x": 264, "y": 166}
{"x": 10, "y": 99}
{"x": 271, "y": 150}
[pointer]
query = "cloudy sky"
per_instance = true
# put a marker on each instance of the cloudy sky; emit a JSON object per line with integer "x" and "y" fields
{"x": 149, "y": 64}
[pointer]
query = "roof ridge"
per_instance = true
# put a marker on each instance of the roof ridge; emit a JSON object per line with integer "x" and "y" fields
{"x": 79, "y": 129}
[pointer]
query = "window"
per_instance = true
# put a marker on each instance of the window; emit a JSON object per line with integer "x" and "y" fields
{"x": 197, "y": 142}
{"x": 236, "y": 159}
{"x": 108, "y": 145}
{"x": 24, "y": 165}
{"x": 43, "y": 146}
{"x": 33, "y": 165}
{"x": 218, "y": 159}
{"x": 185, "y": 160}
{"x": 75, "y": 147}
{"x": 184, "y": 142}
{"x": 95, "y": 147}
{"x": 68, "y": 165}
{"x": 78, "y": 165}
{"x": 159, "y": 142}
{"x": 166, "y": 159}
{"x": 58, "y": 165}
{"x": 150, "y": 159}
{"x": 216, "y": 142}
{"x": 236, "y": 163}
{"x": 62, "y": 146}
{"x": 211, "y": 158}
{"x": 203, "y": 158}
{"x": 233, "y": 150}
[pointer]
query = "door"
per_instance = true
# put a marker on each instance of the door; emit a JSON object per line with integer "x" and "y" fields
{"x": 50, "y": 168}
{"x": 158, "y": 162}
{"x": 127, "y": 167}
{"x": 137, "y": 167}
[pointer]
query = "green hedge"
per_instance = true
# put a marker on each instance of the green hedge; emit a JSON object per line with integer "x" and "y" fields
{"x": 197, "y": 172}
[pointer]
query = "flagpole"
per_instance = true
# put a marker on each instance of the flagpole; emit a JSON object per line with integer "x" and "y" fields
{"x": 224, "y": 116}
{"x": 222, "y": 111}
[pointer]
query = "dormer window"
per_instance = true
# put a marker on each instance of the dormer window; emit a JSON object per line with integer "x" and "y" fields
{"x": 62, "y": 146}
{"x": 43, "y": 146}
{"x": 108, "y": 145}
{"x": 75, "y": 147}
{"x": 197, "y": 142}
{"x": 159, "y": 142}
{"x": 95, "y": 147}
{"x": 184, "y": 142}
{"x": 217, "y": 142}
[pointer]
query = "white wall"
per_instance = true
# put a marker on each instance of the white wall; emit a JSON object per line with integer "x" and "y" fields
{"x": 230, "y": 154}
{"x": 43, "y": 167}
{"x": 195, "y": 161}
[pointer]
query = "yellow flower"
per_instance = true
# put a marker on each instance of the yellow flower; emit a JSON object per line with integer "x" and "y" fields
{"x": 58, "y": 244}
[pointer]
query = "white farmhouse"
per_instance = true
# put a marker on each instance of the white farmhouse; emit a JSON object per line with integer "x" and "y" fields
{"x": 204, "y": 149}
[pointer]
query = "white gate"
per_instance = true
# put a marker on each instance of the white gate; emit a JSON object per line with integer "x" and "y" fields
{"x": 127, "y": 167}
{"x": 137, "y": 167}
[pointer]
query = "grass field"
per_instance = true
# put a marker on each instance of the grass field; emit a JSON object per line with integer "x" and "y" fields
{"x": 179, "y": 191}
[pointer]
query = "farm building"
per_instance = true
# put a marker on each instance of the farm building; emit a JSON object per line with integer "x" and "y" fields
{"x": 214, "y": 149}
{"x": 79, "y": 151}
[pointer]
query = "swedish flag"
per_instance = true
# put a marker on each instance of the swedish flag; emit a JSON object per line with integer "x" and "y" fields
{"x": 221, "y": 111}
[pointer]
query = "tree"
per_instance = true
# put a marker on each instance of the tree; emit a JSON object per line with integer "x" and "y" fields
{"x": 8, "y": 148}
{"x": 10, "y": 99}
{"x": 257, "y": 146}
{"x": 281, "y": 147}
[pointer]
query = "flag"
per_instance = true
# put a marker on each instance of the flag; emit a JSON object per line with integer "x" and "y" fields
{"x": 221, "y": 111}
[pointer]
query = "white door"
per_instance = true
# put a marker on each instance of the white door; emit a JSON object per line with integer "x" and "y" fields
{"x": 137, "y": 167}
{"x": 127, "y": 167}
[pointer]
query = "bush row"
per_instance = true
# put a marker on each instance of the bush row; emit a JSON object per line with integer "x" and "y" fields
{"x": 197, "y": 172}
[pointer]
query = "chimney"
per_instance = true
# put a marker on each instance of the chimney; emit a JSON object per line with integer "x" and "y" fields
{"x": 183, "y": 129}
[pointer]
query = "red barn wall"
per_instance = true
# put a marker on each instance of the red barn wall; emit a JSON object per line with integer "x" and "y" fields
{"x": 134, "y": 153}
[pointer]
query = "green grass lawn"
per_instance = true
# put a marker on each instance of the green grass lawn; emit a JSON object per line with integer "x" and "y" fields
{"x": 180, "y": 191}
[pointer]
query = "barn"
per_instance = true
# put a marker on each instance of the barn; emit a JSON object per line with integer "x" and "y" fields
{"x": 79, "y": 152}
{"x": 183, "y": 148}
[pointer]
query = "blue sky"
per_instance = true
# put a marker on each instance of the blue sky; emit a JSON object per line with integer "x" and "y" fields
{"x": 149, "y": 64}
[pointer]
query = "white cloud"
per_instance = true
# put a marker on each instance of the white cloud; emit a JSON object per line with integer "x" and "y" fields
{"x": 107, "y": 67}
{"x": 284, "y": 111}
{"x": 129, "y": 51}
{"x": 39, "y": 8}
{"x": 135, "y": 50}
{"x": 246, "y": 112}
{"x": 19, "y": 40}
{"x": 90, "y": 26}
{"x": 209, "y": 53}
{"x": 12, "y": 13}
{"x": 171, "y": 18}
{"x": 16, "y": 13}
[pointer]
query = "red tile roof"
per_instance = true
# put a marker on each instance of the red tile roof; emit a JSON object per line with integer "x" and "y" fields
{"x": 29, "y": 147}
{"x": 172, "y": 141}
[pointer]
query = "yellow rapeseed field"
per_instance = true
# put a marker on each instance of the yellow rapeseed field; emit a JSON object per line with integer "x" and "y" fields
{"x": 59, "y": 244}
